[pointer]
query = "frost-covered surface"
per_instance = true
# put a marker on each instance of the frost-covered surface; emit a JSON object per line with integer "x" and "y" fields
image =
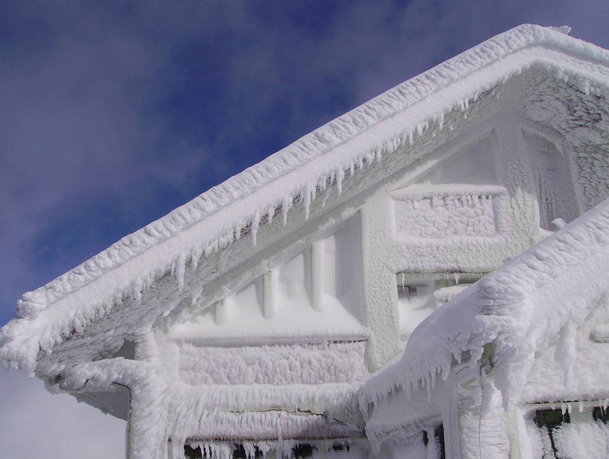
{"x": 316, "y": 165}
{"x": 439, "y": 215}
{"x": 535, "y": 301}
{"x": 296, "y": 364}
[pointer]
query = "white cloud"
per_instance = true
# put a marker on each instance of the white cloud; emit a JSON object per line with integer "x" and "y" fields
{"x": 34, "y": 423}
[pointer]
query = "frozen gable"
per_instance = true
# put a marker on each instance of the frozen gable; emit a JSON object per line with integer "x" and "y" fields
{"x": 254, "y": 313}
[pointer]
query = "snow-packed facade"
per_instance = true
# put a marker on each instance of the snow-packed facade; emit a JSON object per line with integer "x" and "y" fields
{"x": 260, "y": 318}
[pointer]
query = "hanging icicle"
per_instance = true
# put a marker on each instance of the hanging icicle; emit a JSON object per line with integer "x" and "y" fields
{"x": 340, "y": 175}
{"x": 255, "y": 226}
{"x": 285, "y": 207}
{"x": 306, "y": 194}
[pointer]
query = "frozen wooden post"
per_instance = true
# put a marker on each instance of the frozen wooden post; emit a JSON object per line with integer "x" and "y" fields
{"x": 268, "y": 295}
{"x": 317, "y": 275}
{"x": 220, "y": 311}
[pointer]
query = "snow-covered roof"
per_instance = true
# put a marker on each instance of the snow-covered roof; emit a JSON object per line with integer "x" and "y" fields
{"x": 521, "y": 308}
{"x": 215, "y": 219}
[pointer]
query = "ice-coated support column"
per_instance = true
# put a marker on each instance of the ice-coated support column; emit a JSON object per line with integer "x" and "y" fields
{"x": 147, "y": 436}
{"x": 483, "y": 428}
{"x": 380, "y": 290}
{"x": 220, "y": 312}
{"x": 268, "y": 295}
{"x": 317, "y": 275}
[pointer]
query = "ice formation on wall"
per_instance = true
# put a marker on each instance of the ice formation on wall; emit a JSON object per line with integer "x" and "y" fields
{"x": 438, "y": 215}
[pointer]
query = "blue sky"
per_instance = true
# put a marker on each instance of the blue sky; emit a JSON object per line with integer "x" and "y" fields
{"x": 113, "y": 113}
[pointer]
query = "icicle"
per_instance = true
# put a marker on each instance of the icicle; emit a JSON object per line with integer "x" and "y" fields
{"x": 379, "y": 154}
{"x": 410, "y": 139}
{"x": 428, "y": 386}
{"x": 581, "y": 406}
{"x": 456, "y": 275}
{"x": 285, "y": 206}
{"x": 306, "y": 193}
{"x": 77, "y": 324}
{"x": 255, "y": 226}
{"x": 250, "y": 450}
{"x": 419, "y": 129}
{"x": 340, "y": 175}
{"x": 264, "y": 447}
{"x": 136, "y": 292}
{"x": 195, "y": 257}
{"x": 351, "y": 168}
{"x": 179, "y": 271}
{"x": 271, "y": 214}
{"x": 327, "y": 193}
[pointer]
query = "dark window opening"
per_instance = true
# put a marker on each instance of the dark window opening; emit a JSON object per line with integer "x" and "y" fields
{"x": 299, "y": 451}
{"x": 407, "y": 291}
{"x": 303, "y": 450}
{"x": 239, "y": 452}
{"x": 550, "y": 419}
{"x": 420, "y": 285}
{"x": 340, "y": 447}
{"x": 439, "y": 436}
{"x": 127, "y": 350}
{"x": 192, "y": 453}
{"x": 601, "y": 414}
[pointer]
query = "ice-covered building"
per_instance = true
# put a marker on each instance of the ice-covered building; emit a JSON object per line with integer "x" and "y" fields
{"x": 249, "y": 322}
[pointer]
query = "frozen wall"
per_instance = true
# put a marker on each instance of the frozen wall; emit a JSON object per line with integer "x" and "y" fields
{"x": 315, "y": 295}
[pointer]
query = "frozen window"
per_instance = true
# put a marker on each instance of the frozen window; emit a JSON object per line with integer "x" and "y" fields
{"x": 601, "y": 414}
{"x": 439, "y": 439}
{"x": 419, "y": 294}
{"x": 550, "y": 419}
